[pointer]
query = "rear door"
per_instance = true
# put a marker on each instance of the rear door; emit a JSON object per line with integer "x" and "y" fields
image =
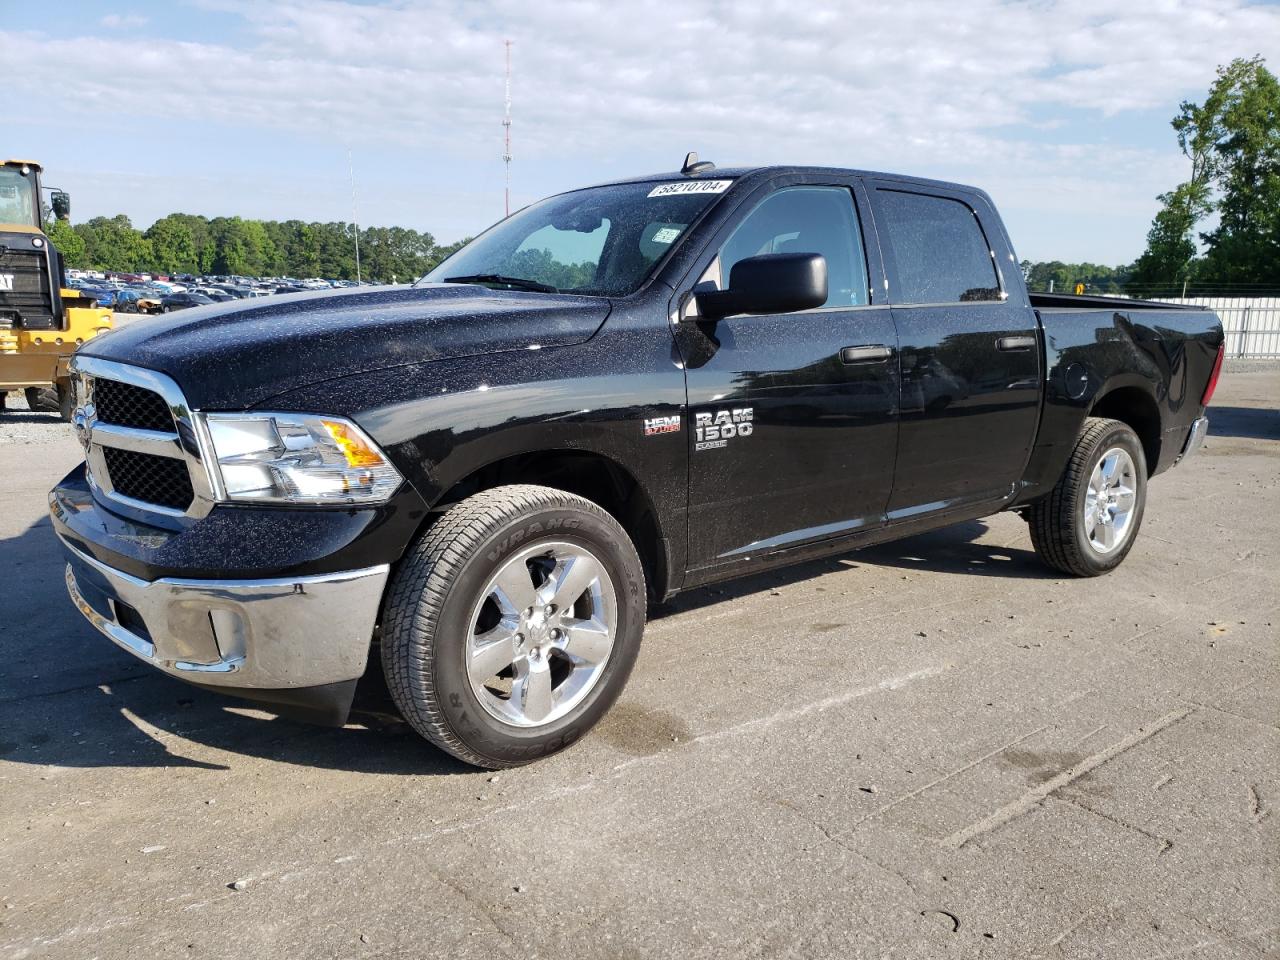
{"x": 969, "y": 353}
{"x": 792, "y": 417}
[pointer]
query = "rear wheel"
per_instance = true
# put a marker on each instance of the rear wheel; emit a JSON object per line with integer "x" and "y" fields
{"x": 513, "y": 624}
{"x": 1087, "y": 524}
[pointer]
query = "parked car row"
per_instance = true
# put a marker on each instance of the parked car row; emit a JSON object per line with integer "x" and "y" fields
{"x": 140, "y": 293}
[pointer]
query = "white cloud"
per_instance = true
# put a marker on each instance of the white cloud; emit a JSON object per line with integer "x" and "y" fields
{"x": 966, "y": 91}
{"x": 123, "y": 21}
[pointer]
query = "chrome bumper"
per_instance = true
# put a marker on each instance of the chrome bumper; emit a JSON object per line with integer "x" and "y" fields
{"x": 1199, "y": 430}
{"x": 269, "y": 634}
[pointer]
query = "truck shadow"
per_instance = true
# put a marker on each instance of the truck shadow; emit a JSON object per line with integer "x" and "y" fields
{"x": 951, "y": 550}
{"x": 1252, "y": 423}
{"x": 12, "y": 416}
{"x": 70, "y": 698}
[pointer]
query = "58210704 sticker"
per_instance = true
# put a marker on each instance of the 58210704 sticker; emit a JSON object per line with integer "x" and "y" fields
{"x": 690, "y": 186}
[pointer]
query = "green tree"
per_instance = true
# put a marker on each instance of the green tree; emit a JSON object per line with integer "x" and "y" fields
{"x": 390, "y": 254}
{"x": 67, "y": 242}
{"x": 1241, "y": 119}
{"x": 1233, "y": 143}
{"x": 1168, "y": 263}
{"x": 173, "y": 246}
{"x": 113, "y": 244}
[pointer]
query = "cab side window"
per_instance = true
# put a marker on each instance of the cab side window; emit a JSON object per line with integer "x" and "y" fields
{"x": 941, "y": 253}
{"x": 805, "y": 220}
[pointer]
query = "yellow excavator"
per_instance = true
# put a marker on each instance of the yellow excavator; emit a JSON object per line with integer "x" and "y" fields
{"x": 42, "y": 321}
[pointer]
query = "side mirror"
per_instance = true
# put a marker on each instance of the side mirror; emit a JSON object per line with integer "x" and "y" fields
{"x": 61, "y": 201}
{"x": 769, "y": 283}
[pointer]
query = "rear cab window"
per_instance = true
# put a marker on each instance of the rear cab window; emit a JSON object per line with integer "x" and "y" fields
{"x": 938, "y": 248}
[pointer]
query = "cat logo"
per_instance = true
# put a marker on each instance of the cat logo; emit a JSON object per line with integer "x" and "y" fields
{"x": 715, "y": 429}
{"x": 6, "y": 281}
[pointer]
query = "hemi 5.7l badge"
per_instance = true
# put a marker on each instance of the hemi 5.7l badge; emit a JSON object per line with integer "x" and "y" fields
{"x": 656, "y": 425}
{"x": 715, "y": 429}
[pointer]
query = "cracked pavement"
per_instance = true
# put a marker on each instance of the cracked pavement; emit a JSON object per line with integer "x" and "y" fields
{"x": 932, "y": 748}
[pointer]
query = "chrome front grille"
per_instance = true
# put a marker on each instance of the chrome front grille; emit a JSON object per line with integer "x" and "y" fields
{"x": 148, "y": 478}
{"x": 144, "y": 448}
{"x": 129, "y": 405}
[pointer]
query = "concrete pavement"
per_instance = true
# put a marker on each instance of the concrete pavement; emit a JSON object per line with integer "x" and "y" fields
{"x": 934, "y": 748}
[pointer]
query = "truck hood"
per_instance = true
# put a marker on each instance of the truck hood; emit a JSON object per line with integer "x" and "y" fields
{"x": 236, "y": 356}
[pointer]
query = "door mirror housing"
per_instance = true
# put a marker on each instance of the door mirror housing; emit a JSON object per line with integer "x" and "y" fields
{"x": 769, "y": 283}
{"x": 60, "y": 200}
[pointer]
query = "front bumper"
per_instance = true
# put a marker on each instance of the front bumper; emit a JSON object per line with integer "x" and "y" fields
{"x": 237, "y": 635}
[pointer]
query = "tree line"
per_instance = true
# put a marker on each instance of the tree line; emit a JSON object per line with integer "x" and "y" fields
{"x": 1059, "y": 277}
{"x": 184, "y": 243}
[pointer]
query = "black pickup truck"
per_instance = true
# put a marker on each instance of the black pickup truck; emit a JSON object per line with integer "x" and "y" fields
{"x": 613, "y": 395}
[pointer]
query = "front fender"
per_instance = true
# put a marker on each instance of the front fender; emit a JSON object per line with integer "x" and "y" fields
{"x": 443, "y": 421}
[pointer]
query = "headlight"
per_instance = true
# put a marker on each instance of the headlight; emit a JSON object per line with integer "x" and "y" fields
{"x": 298, "y": 458}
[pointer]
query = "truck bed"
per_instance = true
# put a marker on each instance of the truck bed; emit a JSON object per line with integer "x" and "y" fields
{"x": 1071, "y": 301}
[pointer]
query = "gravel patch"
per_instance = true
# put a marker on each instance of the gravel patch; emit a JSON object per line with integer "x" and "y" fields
{"x": 19, "y": 424}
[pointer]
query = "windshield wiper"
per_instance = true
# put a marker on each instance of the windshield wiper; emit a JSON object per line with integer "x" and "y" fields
{"x": 518, "y": 282}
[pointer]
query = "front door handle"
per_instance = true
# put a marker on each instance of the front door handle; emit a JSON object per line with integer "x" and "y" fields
{"x": 869, "y": 353}
{"x": 1014, "y": 344}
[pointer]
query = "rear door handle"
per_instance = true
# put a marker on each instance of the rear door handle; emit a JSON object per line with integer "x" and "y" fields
{"x": 1013, "y": 344}
{"x": 869, "y": 353}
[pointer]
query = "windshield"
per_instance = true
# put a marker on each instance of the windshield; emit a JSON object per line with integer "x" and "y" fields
{"x": 604, "y": 240}
{"x": 17, "y": 200}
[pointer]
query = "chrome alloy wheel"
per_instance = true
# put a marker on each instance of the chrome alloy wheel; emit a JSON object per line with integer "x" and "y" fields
{"x": 1110, "y": 500}
{"x": 541, "y": 634}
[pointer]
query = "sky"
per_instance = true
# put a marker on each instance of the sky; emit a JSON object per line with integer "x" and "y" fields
{"x": 1060, "y": 110}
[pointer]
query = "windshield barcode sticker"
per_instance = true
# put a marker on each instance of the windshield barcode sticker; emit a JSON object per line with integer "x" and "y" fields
{"x": 690, "y": 186}
{"x": 666, "y": 235}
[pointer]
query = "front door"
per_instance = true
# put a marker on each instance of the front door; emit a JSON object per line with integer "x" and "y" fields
{"x": 970, "y": 355}
{"x": 792, "y": 417}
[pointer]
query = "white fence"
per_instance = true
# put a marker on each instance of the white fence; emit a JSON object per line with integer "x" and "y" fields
{"x": 1252, "y": 324}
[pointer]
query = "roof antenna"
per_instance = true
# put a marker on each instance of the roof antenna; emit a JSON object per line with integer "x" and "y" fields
{"x": 692, "y": 165}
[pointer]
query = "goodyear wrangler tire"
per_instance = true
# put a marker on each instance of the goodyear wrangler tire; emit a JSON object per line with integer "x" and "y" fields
{"x": 1087, "y": 524}
{"x": 512, "y": 624}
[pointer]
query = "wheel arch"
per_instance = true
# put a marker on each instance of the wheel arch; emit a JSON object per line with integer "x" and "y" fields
{"x": 593, "y": 476}
{"x": 1134, "y": 406}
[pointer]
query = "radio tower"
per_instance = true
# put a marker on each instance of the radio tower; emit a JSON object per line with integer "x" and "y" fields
{"x": 506, "y": 132}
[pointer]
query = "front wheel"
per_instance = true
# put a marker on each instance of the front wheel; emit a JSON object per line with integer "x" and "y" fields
{"x": 513, "y": 624}
{"x": 1087, "y": 524}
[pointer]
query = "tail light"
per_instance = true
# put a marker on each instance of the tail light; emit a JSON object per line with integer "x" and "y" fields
{"x": 1213, "y": 377}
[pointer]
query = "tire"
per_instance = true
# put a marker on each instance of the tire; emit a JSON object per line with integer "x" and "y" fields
{"x": 444, "y": 600}
{"x": 52, "y": 399}
{"x": 1069, "y": 527}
